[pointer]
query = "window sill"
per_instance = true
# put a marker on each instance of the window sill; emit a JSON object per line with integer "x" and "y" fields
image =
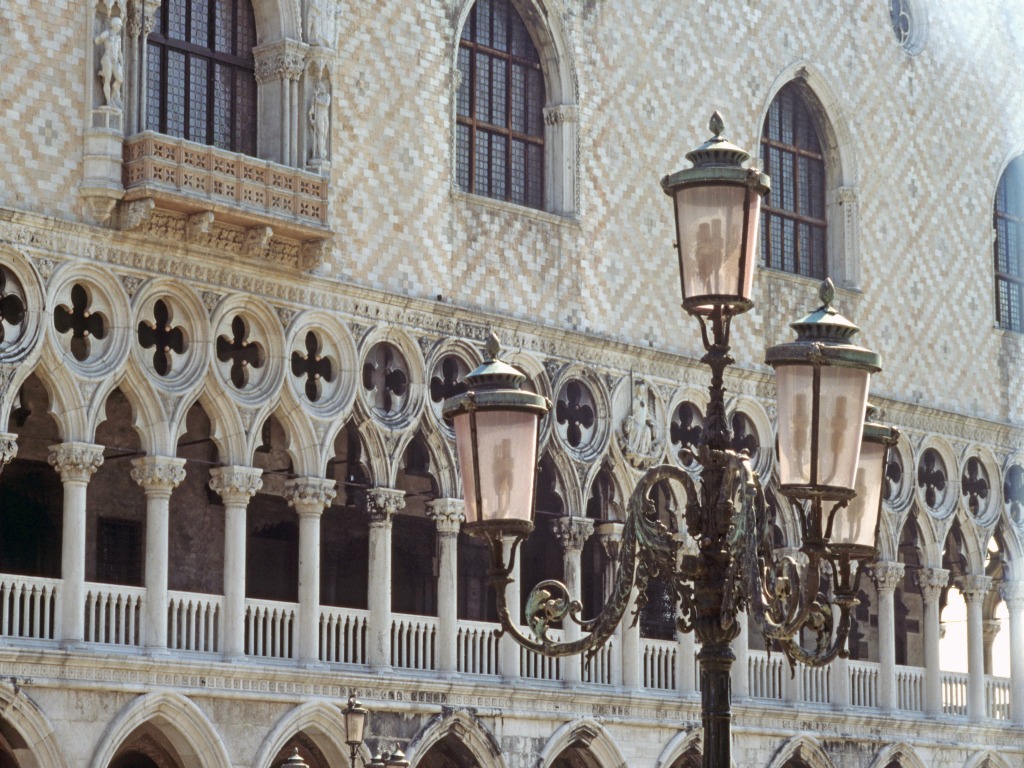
{"x": 186, "y": 177}
{"x": 512, "y": 209}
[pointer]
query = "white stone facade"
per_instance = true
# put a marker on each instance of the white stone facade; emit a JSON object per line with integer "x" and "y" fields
{"x": 227, "y": 497}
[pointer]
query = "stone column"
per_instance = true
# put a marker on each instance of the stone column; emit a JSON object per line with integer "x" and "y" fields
{"x": 609, "y": 535}
{"x": 572, "y": 533}
{"x": 888, "y": 576}
{"x": 236, "y": 486}
{"x": 158, "y": 476}
{"x": 382, "y": 504}
{"x": 76, "y": 463}
{"x": 279, "y": 65}
{"x": 739, "y": 673}
{"x": 448, "y": 515}
{"x": 632, "y": 650}
{"x": 1013, "y": 594}
{"x": 975, "y": 589}
{"x": 8, "y": 448}
{"x": 932, "y": 581}
{"x": 507, "y": 647}
{"x": 990, "y": 630}
{"x": 309, "y": 496}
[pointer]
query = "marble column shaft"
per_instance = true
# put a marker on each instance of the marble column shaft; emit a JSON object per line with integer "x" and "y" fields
{"x": 382, "y": 504}
{"x": 888, "y": 576}
{"x": 309, "y": 496}
{"x": 572, "y": 533}
{"x": 448, "y": 515}
{"x": 975, "y": 589}
{"x": 1013, "y": 594}
{"x": 932, "y": 581}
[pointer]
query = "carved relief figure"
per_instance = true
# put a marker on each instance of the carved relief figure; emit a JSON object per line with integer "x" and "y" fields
{"x": 320, "y": 120}
{"x": 112, "y": 62}
{"x": 320, "y": 24}
{"x": 637, "y": 426}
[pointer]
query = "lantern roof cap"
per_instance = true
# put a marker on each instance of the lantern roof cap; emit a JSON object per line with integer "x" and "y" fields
{"x": 717, "y": 160}
{"x": 495, "y": 385}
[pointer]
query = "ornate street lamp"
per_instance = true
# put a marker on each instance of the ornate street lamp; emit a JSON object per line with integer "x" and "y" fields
{"x": 822, "y": 382}
{"x": 355, "y": 724}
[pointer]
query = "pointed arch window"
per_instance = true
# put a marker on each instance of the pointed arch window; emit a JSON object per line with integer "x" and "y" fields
{"x": 794, "y": 228}
{"x": 200, "y": 72}
{"x": 500, "y": 107}
{"x": 1009, "y": 248}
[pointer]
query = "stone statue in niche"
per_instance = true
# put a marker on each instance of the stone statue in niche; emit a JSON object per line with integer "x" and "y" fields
{"x": 320, "y": 23}
{"x": 638, "y": 436}
{"x": 320, "y": 119}
{"x": 112, "y": 62}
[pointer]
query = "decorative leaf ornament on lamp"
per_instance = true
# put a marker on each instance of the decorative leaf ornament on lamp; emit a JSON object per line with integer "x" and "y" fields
{"x": 823, "y": 384}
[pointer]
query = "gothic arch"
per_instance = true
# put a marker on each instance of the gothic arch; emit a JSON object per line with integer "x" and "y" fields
{"x": 179, "y": 720}
{"x": 587, "y": 734}
{"x": 679, "y": 745}
{"x": 226, "y": 428}
{"x": 904, "y": 753}
{"x": 303, "y": 446}
{"x": 802, "y": 748}
{"x": 322, "y": 722}
{"x": 148, "y": 417}
{"x": 986, "y": 759}
{"x": 40, "y": 747}
{"x": 464, "y": 727}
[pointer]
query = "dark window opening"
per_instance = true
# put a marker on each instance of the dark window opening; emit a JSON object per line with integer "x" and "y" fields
{"x": 1009, "y": 248}
{"x": 119, "y": 552}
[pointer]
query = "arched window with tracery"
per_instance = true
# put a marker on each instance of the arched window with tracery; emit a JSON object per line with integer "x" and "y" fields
{"x": 1009, "y": 223}
{"x": 500, "y": 107}
{"x": 200, "y": 73}
{"x": 794, "y": 230}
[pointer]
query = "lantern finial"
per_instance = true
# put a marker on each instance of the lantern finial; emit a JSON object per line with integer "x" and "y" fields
{"x": 827, "y": 292}
{"x": 493, "y": 348}
{"x": 717, "y": 124}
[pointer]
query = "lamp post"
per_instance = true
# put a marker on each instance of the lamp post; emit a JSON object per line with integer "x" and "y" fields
{"x": 822, "y": 384}
{"x": 355, "y": 726}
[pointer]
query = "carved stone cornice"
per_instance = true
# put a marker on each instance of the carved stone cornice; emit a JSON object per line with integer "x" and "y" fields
{"x": 76, "y": 462}
{"x": 931, "y": 582}
{"x": 158, "y": 475}
{"x": 448, "y": 515}
{"x": 562, "y": 113}
{"x": 384, "y": 503}
{"x": 236, "y": 485}
{"x": 8, "y": 448}
{"x": 975, "y": 587}
{"x": 887, "y": 575}
{"x": 310, "y": 495}
{"x": 572, "y": 532}
{"x": 1013, "y": 594}
{"x": 280, "y": 60}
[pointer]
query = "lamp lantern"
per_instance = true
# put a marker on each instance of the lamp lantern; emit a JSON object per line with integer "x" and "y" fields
{"x": 821, "y": 382}
{"x": 717, "y": 212}
{"x": 497, "y": 424}
{"x": 355, "y": 722}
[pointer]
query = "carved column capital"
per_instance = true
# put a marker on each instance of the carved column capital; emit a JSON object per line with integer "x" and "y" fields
{"x": 1013, "y": 594}
{"x": 572, "y": 532}
{"x": 989, "y": 629}
{"x": 846, "y": 195}
{"x": 887, "y": 575}
{"x": 975, "y": 587}
{"x": 609, "y": 535}
{"x": 236, "y": 485}
{"x": 158, "y": 474}
{"x": 8, "y": 448}
{"x": 932, "y": 581}
{"x": 76, "y": 462}
{"x": 310, "y": 495}
{"x": 384, "y": 503}
{"x": 562, "y": 113}
{"x": 448, "y": 515}
{"x": 284, "y": 59}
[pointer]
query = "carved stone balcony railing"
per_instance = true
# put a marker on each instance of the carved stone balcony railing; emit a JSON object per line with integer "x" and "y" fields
{"x": 186, "y": 177}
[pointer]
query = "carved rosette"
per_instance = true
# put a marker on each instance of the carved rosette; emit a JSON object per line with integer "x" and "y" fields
{"x": 76, "y": 462}
{"x": 158, "y": 475}
{"x": 572, "y": 532}
{"x": 8, "y": 448}
{"x": 932, "y": 581}
{"x": 310, "y": 495}
{"x": 448, "y": 515}
{"x": 976, "y": 587}
{"x": 887, "y": 575}
{"x": 236, "y": 485}
{"x": 384, "y": 503}
{"x": 1013, "y": 594}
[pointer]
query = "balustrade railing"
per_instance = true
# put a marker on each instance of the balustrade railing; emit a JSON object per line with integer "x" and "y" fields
{"x": 478, "y": 645}
{"x": 660, "y": 664}
{"x": 343, "y": 635}
{"x": 29, "y": 607}
{"x": 910, "y": 688}
{"x": 814, "y": 684}
{"x": 113, "y": 614}
{"x": 998, "y": 696}
{"x": 194, "y": 622}
{"x": 599, "y": 669}
{"x": 413, "y": 642}
{"x": 534, "y": 666}
{"x": 765, "y": 675}
{"x": 863, "y": 683}
{"x": 954, "y": 693}
{"x": 269, "y": 627}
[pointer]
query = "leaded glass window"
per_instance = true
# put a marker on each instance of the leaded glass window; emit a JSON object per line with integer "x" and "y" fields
{"x": 1009, "y": 222}
{"x": 200, "y": 73}
{"x": 793, "y": 228}
{"x": 500, "y": 107}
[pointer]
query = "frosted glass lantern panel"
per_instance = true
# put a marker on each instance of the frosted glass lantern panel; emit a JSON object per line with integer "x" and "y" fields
{"x": 856, "y": 523}
{"x": 793, "y": 389}
{"x": 844, "y": 398}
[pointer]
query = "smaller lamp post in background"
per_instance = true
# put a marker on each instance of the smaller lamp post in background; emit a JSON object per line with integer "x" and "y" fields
{"x": 355, "y": 715}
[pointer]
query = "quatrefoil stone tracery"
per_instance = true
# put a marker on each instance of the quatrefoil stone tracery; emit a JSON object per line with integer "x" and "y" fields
{"x": 974, "y": 484}
{"x": 163, "y": 338}
{"x": 12, "y": 309}
{"x": 81, "y": 322}
{"x": 687, "y": 423}
{"x": 240, "y": 352}
{"x": 385, "y": 377}
{"x": 575, "y": 413}
{"x": 931, "y": 478}
{"x": 314, "y": 366}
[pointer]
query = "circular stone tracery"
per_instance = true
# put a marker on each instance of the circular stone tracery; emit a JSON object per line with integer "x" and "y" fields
{"x": 386, "y": 378}
{"x": 12, "y": 310}
{"x": 931, "y": 479}
{"x": 684, "y": 432}
{"x": 576, "y": 415}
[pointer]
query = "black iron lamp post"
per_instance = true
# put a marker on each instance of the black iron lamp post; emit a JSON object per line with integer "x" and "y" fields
{"x": 355, "y": 727}
{"x": 822, "y": 384}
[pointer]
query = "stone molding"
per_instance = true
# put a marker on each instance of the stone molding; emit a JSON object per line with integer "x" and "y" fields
{"x": 310, "y": 495}
{"x": 76, "y": 462}
{"x": 572, "y": 532}
{"x": 931, "y": 582}
{"x": 236, "y": 485}
{"x": 975, "y": 587}
{"x": 887, "y": 575}
{"x": 448, "y": 515}
{"x": 8, "y": 448}
{"x": 382, "y": 504}
{"x": 158, "y": 474}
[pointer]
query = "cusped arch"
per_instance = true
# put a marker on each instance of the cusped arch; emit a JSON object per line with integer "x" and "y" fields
{"x": 902, "y": 753}
{"x": 763, "y": 424}
{"x": 322, "y": 722}
{"x": 443, "y": 466}
{"x": 987, "y": 759}
{"x": 148, "y": 416}
{"x": 587, "y": 734}
{"x": 802, "y": 748}
{"x": 679, "y": 745}
{"x": 567, "y": 480}
{"x": 226, "y": 428}
{"x": 303, "y": 446}
{"x": 179, "y": 720}
{"x": 41, "y": 747}
{"x": 467, "y": 729}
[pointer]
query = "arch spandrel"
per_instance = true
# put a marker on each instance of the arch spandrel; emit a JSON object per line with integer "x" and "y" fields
{"x": 586, "y": 734}
{"x": 803, "y": 748}
{"x": 467, "y": 729}
{"x": 320, "y": 721}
